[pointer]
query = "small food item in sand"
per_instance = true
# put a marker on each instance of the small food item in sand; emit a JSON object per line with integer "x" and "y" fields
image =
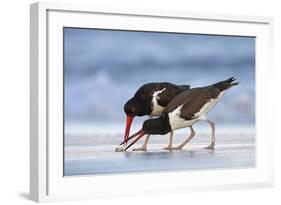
{"x": 119, "y": 149}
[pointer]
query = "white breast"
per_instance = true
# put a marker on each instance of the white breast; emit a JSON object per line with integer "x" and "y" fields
{"x": 176, "y": 122}
{"x": 157, "y": 109}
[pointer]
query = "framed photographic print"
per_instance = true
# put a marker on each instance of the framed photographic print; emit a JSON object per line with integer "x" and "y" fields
{"x": 132, "y": 102}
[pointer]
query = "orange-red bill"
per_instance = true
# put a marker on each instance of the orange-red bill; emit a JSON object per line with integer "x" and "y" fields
{"x": 142, "y": 133}
{"x": 131, "y": 137}
{"x": 128, "y": 127}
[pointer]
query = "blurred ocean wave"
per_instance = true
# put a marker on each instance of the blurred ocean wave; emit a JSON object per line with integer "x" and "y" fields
{"x": 103, "y": 69}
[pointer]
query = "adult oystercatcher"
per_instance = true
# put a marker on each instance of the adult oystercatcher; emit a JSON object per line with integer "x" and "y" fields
{"x": 150, "y": 99}
{"x": 186, "y": 109}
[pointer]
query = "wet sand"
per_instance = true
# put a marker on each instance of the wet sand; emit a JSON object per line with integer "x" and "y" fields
{"x": 95, "y": 154}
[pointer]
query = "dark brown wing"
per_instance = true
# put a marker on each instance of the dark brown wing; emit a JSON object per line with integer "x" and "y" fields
{"x": 148, "y": 89}
{"x": 192, "y": 101}
{"x": 171, "y": 90}
{"x": 169, "y": 93}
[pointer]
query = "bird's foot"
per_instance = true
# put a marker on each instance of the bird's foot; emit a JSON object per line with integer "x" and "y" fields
{"x": 169, "y": 147}
{"x": 142, "y": 148}
{"x": 173, "y": 148}
{"x": 211, "y": 146}
{"x": 178, "y": 148}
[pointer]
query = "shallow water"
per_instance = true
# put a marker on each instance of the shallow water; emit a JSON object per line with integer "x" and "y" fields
{"x": 85, "y": 158}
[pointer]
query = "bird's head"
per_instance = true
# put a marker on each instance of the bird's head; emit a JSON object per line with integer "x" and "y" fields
{"x": 136, "y": 106}
{"x": 157, "y": 126}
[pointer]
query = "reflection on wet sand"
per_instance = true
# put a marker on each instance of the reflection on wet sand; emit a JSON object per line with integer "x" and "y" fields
{"x": 234, "y": 152}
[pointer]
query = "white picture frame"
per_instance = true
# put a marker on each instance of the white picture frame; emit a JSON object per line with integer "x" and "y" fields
{"x": 46, "y": 149}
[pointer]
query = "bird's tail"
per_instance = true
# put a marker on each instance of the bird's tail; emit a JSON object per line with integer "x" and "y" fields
{"x": 226, "y": 84}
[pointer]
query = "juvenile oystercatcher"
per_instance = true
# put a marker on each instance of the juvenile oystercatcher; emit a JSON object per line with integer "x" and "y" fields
{"x": 150, "y": 99}
{"x": 186, "y": 109}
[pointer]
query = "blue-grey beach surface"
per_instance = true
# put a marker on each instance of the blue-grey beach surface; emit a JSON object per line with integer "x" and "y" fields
{"x": 95, "y": 154}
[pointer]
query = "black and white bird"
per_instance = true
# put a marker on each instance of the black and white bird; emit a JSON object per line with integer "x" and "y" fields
{"x": 186, "y": 109}
{"x": 150, "y": 99}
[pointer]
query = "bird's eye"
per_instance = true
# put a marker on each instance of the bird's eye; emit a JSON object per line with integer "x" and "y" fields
{"x": 133, "y": 109}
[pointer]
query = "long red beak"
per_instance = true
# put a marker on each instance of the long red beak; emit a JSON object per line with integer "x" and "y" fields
{"x": 128, "y": 127}
{"x": 142, "y": 133}
{"x": 133, "y": 136}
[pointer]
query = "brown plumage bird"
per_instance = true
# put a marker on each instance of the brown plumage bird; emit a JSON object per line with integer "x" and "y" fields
{"x": 186, "y": 109}
{"x": 150, "y": 99}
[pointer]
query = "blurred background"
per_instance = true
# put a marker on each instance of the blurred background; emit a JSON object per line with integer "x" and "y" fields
{"x": 104, "y": 68}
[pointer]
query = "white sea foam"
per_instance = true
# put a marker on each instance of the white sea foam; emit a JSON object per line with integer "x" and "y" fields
{"x": 101, "y": 128}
